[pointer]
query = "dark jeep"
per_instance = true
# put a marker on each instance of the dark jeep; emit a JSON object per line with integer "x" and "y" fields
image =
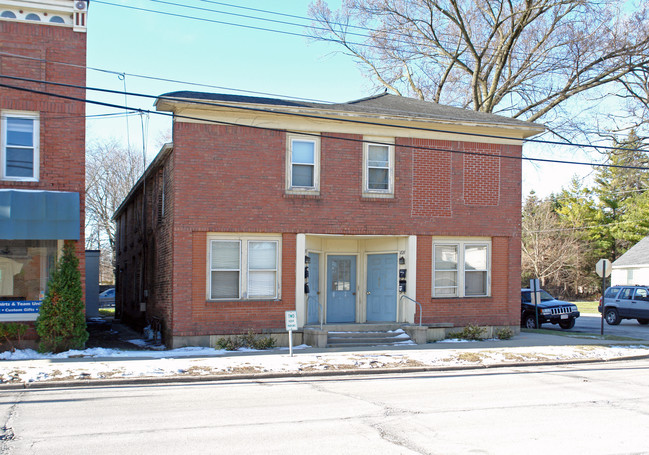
{"x": 550, "y": 310}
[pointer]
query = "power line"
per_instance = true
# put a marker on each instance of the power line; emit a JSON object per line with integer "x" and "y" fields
{"x": 161, "y": 79}
{"x": 320, "y": 117}
{"x": 220, "y": 122}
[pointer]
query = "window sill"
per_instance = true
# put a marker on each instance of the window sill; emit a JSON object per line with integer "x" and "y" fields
{"x": 377, "y": 197}
{"x": 290, "y": 194}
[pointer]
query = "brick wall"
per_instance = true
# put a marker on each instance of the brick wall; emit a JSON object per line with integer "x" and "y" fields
{"x": 232, "y": 179}
{"x": 62, "y": 122}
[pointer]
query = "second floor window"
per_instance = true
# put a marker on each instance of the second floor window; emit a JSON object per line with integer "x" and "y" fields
{"x": 303, "y": 158}
{"x": 20, "y": 133}
{"x": 378, "y": 172}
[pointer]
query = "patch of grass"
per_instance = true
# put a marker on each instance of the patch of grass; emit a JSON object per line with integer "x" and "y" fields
{"x": 107, "y": 312}
{"x": 587, "y": 306}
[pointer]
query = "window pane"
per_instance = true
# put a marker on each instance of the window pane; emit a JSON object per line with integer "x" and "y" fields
{"x": 20, "y": 162}
{"x": 377, "y": 179}
{"x": 225, "y": 285}
{"x": 303, "y": 152}
{"x": 261, "y": 284}
{"x": 445, "y": 292}
{"x": 475, "y": 257}
{"x": 20, "y": 132}
{"x": 475, "y": 283}
{"x": 378, "y": 155}
{"x": 225, "y": 255}
{"x": 445, "y": 279}
{"x": 446, "y": 257}
{"x": 302, "y": 175}
{"x": 262, "y": 255}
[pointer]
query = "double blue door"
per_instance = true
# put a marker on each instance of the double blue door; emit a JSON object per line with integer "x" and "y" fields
{"x": 382, "y": 271}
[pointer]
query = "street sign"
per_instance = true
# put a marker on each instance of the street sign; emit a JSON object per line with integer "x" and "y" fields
{"x": 603, "y": 268}
{"x": 291, "y": 320}
{"x": 291, "y": 324}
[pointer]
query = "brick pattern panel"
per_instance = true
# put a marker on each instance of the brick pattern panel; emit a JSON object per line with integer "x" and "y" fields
{"x": 482, "y": 174}
{"x": 431, "y": 178}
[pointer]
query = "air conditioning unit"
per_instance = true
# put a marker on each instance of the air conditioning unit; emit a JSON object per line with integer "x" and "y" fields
{"x": 81, "y": 5}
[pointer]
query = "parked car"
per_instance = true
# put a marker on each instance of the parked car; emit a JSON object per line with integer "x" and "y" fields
{"x": 550, "y": 310}
{"x": 107, "y": 298}
{"x": 625, "y": 302}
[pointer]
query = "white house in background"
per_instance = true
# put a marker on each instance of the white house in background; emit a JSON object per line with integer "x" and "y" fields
{"x": 633, "y": 266}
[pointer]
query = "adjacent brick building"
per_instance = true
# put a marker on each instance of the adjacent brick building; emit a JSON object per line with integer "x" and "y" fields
{"x": 42, "y": 146}
{"x": 345, "y": 213}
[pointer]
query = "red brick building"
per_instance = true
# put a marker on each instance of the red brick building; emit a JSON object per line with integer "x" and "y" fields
{"x": 345, "y": 213}
{"x": 42, "y": 146}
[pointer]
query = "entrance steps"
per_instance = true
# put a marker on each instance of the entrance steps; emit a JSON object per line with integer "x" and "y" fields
{"x": 366, "y": 335}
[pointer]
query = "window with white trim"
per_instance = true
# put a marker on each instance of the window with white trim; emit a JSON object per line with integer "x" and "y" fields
{"x": 243, "y": 268}
{"x": 378, "y": 169}
{"x": 19, "y": 146}
{"x": 461, "y": 269}
{"x": 303, "y": 164}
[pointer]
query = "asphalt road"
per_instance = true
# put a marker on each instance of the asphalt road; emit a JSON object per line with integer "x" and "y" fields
{"x": 591, "y": 324}
{"x": 589, "y": 408}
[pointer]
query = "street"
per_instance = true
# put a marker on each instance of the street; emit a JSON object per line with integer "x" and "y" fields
{"x": 591, "y": 323}
{"x": 589, "y": 408}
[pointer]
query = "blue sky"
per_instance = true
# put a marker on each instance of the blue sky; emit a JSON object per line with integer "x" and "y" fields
{"x": 124, "y": 40}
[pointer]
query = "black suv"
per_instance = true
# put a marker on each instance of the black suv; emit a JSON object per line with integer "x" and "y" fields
{"x": 550, "y": 310}
{"x": 625, "y": 302}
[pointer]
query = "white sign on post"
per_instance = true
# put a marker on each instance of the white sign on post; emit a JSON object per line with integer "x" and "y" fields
{"x": 291, "y": 324}
{"x": 602, "y": 267}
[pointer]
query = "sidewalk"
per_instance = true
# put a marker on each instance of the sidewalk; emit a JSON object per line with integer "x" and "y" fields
{"x": 100, "y": 366}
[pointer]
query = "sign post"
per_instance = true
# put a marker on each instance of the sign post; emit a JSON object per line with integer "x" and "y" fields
{"x": 603, "y": 269}
{"x": 291, "y": 324}
{"x": 536, "y": 297}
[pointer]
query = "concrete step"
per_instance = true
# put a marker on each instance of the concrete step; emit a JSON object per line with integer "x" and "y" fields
{"x": 366, "y": 338}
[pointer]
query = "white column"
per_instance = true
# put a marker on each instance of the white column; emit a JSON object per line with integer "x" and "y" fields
{"x": 300, "y": 306}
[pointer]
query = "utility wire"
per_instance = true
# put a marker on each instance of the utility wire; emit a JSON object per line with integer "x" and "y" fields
{"x": 321, "y": 117}
{"x": 220, "y": 122}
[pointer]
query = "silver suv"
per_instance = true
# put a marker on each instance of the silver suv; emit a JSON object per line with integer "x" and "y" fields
{"x": 625, "y": 302}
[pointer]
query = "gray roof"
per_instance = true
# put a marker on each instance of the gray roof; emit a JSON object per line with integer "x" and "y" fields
{"x": 383, "y": 104}
{"x": 638, "y": 254}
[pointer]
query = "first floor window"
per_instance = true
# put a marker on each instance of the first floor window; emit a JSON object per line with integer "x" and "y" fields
{"x": 243, "y": 268}
{"x": 20, "y": 140}
{"x": 461, "y": 269}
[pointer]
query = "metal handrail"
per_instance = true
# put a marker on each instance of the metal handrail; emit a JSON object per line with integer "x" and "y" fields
{"x": 412, "y": 300}
{"x": 320, "y": 312}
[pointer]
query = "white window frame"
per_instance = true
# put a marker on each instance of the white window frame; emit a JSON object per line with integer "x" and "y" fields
{"x": 290, "y": 188}
{"x": 3, "y": 144}
{"x": 461, "y": 246}
{"x": 380, "y": 142}
{"x": 244, "y": 269}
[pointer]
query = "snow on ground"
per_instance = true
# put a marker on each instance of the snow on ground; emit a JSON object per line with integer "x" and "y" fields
{"x": 29, "y": 366}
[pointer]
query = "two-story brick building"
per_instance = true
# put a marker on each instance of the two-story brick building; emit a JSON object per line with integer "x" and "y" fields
{"x": 42, "y": 146}
{"x": 345, "y": 213}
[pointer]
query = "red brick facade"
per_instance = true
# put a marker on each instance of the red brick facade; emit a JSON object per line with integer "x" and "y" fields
{"x": 231, "y": 179}
{"x": 62, "y": 122}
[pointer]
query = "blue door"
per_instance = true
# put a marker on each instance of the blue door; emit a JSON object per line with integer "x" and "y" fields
{"x": 341, "y": 289}
{"x": 313, "y": 309}
{"x": 382, "y": 271}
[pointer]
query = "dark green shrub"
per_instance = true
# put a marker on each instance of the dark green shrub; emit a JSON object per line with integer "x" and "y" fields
{"x": 504, "y": 334}
{"x": 470, "y": 332}
{"x": 13, "y": 333}
{"x": 249, "y": 340}
{"x": 61, "y": 323}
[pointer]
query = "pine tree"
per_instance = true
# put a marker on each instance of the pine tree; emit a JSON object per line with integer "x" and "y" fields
{"x": 61, "y": 323}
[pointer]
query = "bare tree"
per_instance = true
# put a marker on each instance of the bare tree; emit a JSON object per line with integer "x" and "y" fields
{"x": 111, "y": 172}
{"x": 522, "y": 58}
{"x": 550, "y": 251}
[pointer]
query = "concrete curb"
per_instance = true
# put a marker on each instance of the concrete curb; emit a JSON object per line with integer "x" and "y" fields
{"x": 138, "y": 381}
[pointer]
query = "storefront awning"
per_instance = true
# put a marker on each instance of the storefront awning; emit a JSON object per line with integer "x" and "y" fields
{"x": 39, "y": 215}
